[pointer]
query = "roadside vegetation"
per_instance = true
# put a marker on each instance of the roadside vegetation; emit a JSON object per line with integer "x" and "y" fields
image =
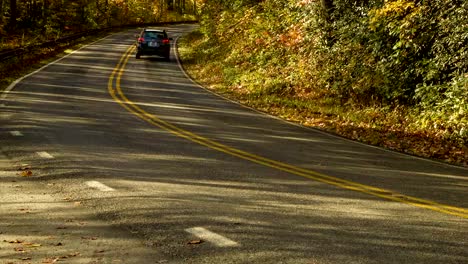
{"x": 25, "y": 24}
{"x": 389, "y": 73}
{"x": 36, "y": 21}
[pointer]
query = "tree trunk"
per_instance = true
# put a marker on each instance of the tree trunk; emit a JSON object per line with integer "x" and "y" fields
{"x": 13, "y": 15}
{"x": 2, "y": 2}
{"x": 327, "y": 7}
{"x": 195, "y": 7}
{"x": 107, "y": 13}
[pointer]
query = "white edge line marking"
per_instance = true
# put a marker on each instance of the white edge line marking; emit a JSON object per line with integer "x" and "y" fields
{"x": 211, "y": 237}
{"x": 44, "y": 155}
{"x": 12, "y": 85}
{"x": 303, "y": 126}
{"x": 16, "y": 133}
{"x": 100, "y": 186}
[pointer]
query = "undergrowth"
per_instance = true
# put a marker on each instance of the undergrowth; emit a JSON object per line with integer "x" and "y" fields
{"x": 396, "y": 127}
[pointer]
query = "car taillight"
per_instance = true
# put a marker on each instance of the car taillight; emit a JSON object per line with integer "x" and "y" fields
{"x": 141, "y": 40}
{"x": 165, "y": 41}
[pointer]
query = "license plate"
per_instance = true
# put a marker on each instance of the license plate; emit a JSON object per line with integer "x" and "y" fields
{"x": 153, "y": 44}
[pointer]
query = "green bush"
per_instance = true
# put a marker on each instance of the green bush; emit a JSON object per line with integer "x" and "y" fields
{"x": 391, "y": 54}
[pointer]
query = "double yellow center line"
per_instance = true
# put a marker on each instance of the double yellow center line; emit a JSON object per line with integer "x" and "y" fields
{"x": 116, "y": 92}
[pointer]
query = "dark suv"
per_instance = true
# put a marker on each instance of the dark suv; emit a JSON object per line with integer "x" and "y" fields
{"x": 153, "y": 42}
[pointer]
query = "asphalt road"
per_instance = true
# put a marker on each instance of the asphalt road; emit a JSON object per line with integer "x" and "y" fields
{"x": 200, "y": 179}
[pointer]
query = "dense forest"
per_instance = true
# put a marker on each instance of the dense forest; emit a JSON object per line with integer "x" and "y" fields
{"x": 395, "y": 66}
{"x": 36, "y": 20}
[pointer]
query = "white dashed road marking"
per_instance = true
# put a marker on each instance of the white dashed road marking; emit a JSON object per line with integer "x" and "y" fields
{"x": 16, "y": 133}
{"x": 100, "y": 186}
{"x": 209, "y": 236}
{"x": 44, "y": 155}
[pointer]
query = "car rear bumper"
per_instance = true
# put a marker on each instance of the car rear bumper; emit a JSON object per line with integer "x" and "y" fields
{"x": 163, "y": 51}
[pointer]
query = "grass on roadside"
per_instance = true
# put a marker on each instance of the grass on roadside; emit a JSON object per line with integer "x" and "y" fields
{"x": 395, "y": 129}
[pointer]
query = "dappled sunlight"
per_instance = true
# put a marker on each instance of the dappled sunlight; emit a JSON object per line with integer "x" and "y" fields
{"x": 35, "y": 226}
{"x": 167, "y": 181}
{"x": 172, "y": 158}
{"x": 41, "y": 96}
{"x": 87, "y": 66}
{"x": 256, "y": 217}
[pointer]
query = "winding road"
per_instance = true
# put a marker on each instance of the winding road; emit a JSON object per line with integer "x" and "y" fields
{"x": 202, "y": 179}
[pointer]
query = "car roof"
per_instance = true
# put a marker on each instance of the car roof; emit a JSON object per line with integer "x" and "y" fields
{"x": 154, "y": 30}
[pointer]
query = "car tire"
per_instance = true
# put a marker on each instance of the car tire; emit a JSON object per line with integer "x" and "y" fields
{"x": 137, "y": 56}
{"x": 167, "y": 57}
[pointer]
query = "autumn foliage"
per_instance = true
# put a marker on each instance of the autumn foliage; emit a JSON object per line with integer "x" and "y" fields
{"x": 399, "y": 67}
{"x": 32, "y": 21}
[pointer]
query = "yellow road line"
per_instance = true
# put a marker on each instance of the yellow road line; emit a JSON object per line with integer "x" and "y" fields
{"x": 119, "y": 97}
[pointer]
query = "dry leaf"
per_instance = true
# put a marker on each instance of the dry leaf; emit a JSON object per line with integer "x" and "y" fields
{"x": 74, "y": 254}
{"x": 195, "y": 242}
{"x": 24, "y": 167}
{"x": 26, "y": 173}
{"x": 50, "y": 260}
{"x": 27, "y": 258}
{"x": 89, "y": 238}
{"x": 19, "y": 249}
{"x": 34, "y": 245}
{"x": 14, "y": 241}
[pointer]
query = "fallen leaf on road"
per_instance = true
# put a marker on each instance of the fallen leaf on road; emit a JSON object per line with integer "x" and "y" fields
{"x": 26, "y": 173}
{"x": 99, "y": 251}
{"x": 13, "y": 241}
{"x": 27, "y": 258}
{"x": 24, "y": 167}
{"x": 19, "y": 249}
{"x": 195, "y": 242}
{"x": 89, "y": 238}
{"x": 32, "y": 244}
{"x": 59, "y": 244}
{"x": 74, "y": 254}
{"x": 50, "y": 260}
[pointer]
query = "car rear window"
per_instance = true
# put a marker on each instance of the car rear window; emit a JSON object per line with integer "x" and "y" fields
{"x": 154, "y": 35}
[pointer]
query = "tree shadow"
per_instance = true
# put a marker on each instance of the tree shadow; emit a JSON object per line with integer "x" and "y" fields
{"x": 166, "y": 183}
